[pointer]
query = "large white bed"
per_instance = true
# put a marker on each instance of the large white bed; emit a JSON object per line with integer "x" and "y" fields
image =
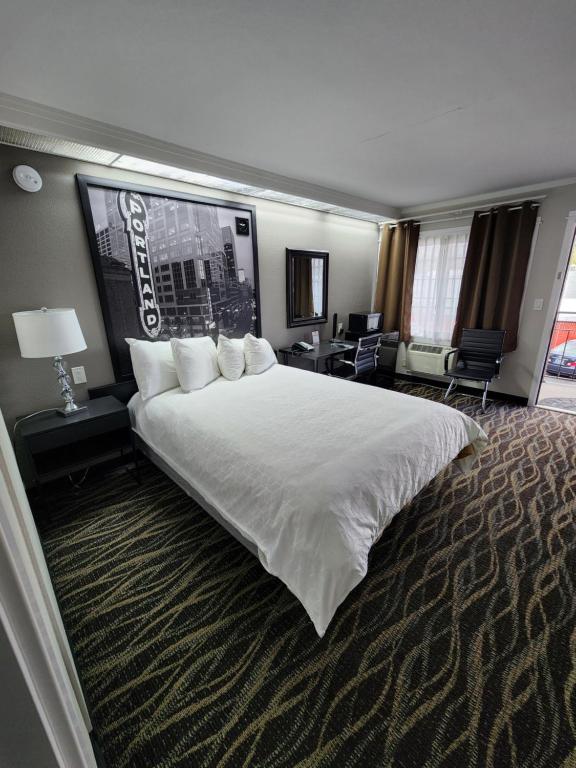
{"x": 307, "y": 470}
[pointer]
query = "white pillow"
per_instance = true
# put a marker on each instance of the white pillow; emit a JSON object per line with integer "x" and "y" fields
{"x": 196, "y": 362}
{"x": 231, "y": 357}
{"x": 153, "y": 365}
{"x": 259, "y": 355}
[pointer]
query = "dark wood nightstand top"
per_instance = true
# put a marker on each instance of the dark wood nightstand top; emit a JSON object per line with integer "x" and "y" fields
{"x": 53, "y": 421}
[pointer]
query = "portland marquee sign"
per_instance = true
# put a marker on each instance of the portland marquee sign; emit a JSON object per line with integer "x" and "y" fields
{"x": 135, "y": 218}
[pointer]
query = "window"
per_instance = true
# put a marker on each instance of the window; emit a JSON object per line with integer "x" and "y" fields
{"x": 177, "y": 275}
{"x": 439, "y": 266}
{"x": 190, "y": 273}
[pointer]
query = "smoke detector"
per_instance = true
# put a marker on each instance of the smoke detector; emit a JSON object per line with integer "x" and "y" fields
{"x": 27, "y": 178}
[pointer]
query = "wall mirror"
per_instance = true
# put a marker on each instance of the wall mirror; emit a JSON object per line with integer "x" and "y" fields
{"x": 306, "y": 287}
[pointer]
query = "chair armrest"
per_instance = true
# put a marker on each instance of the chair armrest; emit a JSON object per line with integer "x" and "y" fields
{"x": 497, "y": 365}
{"x": 446, "y": 356}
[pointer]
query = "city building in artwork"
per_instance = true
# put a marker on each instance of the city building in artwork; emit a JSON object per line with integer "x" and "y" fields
{"x": 200, "y": 289}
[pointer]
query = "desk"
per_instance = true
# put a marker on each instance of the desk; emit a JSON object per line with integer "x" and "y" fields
{"x": 311, "y": 360}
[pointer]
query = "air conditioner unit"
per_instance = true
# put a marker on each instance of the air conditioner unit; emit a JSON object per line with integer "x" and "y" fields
{"x": 426, "y": 358}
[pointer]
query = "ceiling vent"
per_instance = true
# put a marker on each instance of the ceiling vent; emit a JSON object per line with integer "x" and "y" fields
{"x": 54, "y": 146}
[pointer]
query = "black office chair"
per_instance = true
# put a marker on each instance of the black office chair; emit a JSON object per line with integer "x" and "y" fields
{"x": 479, "y": 358}
{"x": 364, "y": 363}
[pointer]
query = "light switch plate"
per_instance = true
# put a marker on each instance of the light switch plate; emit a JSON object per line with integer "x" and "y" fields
{"x": 538, "y": 305}
{"x": 78, "y": 375}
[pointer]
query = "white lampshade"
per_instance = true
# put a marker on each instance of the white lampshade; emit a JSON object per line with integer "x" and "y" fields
{"x": 48, "y": 332}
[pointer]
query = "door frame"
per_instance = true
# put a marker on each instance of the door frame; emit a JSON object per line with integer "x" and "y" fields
{"x": 32, "y": 623}
{"x": 553, "y": 306}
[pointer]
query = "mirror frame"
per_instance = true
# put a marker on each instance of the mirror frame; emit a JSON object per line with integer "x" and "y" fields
{"x": 291, "y": 320}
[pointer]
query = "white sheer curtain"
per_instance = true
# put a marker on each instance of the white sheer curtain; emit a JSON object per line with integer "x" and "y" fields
{"x": 317, "y": 285}
{"x": 439, "y": 266}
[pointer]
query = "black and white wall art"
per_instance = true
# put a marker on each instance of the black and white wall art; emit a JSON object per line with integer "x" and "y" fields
{"x": 169, "y": 264}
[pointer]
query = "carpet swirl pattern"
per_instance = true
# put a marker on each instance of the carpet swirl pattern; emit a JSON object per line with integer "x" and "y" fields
{"x": 458, "y": 649}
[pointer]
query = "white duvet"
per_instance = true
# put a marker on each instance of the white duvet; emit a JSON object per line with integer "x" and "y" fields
{"x": 308, "y": 468}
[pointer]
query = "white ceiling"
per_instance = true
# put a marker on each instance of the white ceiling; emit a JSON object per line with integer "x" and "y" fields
{"x": 400, "y": 101}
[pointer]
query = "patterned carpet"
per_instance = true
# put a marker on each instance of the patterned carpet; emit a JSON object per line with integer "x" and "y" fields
{"x": 458, "y": 649}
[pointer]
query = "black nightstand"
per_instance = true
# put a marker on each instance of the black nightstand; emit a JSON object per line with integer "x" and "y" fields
{"x": 49, "y": 446}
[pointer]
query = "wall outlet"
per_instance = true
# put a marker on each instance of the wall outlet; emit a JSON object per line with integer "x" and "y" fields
{"x": 538, "y": 305}
{"x": 78, "y": 375}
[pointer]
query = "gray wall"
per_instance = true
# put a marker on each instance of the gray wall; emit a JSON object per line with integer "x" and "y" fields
{"x": 46, "y": 262}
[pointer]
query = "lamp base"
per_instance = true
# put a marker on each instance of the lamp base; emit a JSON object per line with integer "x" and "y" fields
{"x": 66, "y": 390}
{"x": 71, "y": 409}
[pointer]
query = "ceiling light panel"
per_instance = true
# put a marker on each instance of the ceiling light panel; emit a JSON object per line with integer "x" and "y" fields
{"x": 353, "y": 214}
{"x": 129, "y": 163}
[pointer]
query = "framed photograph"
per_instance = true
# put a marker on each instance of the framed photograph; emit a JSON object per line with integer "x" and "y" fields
{"x": 169, "y": 264}
{"x": 242, "y": 226}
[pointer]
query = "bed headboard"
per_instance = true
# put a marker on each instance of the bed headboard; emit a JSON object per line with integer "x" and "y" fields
{"x": 122, "y": 391}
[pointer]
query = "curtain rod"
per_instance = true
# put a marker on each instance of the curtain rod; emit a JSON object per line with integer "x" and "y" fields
{"x": 471, "y": 208}
{"x": 463, "y": 218}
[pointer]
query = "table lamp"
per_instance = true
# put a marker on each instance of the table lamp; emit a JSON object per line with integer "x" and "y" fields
{"x": 52, "y": 333}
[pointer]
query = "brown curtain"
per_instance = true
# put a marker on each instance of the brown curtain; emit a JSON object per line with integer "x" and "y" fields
{"x": 495, "y": 271}
{"x": 395, "y": 281}
{"x": 303, "y": 296}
